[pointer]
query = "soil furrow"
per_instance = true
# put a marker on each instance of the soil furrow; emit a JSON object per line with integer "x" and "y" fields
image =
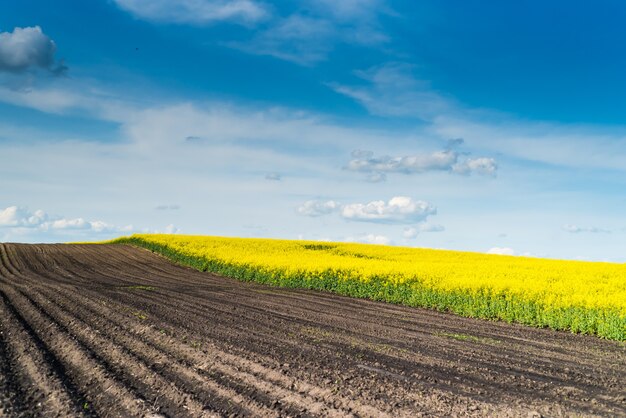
{"x": 34, "y": 376}
{"x": 69, "y": 358}
{"x": 283, "y": 402}
{"x": 439, "y": 370}
{"x": 270, "y": 383}
{"x": 43, "y": 378}
{"x": 377, "y": 335}
{"x": 154, "y": 369}
{"x": 133, "y": 370}
{"x": 12, "y": 394}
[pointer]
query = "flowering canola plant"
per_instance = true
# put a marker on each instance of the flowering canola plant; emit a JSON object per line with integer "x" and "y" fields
{"x": 586, "y": 297}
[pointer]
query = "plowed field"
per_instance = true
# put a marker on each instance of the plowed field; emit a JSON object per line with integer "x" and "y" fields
{"x": 112, "y": 330}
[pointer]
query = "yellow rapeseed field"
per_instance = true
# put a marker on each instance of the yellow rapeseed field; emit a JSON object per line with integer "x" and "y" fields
{"x": 588, "y": 297}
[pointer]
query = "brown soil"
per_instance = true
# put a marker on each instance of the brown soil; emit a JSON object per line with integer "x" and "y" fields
{"x": 112, "y": 330}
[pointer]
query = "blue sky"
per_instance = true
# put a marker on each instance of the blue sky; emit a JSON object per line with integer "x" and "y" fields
{"x": 482, "y": 126}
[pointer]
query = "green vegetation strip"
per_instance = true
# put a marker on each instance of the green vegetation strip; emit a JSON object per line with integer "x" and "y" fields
{"x": 484, "y": 304}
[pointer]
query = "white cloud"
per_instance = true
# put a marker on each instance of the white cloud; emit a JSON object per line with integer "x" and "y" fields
{"x": 305, "y": 35}
{"x": 45, "y": 100}
{"x": 370, "y": 239}
{"x": 299, "y": 39}
{"x": 182, "y": 123}
{"x": 196, "y": 124}
{"x": 574, "y": 146}
{"x": 168, "y": 229}
{"x": 366, "y": 162}
{"x": 26, "y": 48}
{"x": 574, "y": 229}
{"x": 14, "y": 216}
{"x": 171, "y": 229}
{"x": 356, "y": 20}
{"x": 193, "y": 123}
{"x": 399, "y": 209}
{"x": 483, "y": 166}
{"x": 412, "y": 232}
{"x": 70, "y": 96}
{"x": 78, "y": 223}
{"x": 20, "y": 218}
{"x": 309, "y": 34}
{"x": 99, "y": 226}
{"x": 196, "y": 12}
{"x": 273, "y": 176}
{"x": 316, "y": 208}
{"x": 392, "y": 90}
{"x": 501, "y": 251}
{"x": 447, "y": 160}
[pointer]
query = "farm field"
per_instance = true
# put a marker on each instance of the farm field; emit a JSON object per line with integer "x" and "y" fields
{"x": 584, "y": 297}
{"x": 114, "y": 330}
